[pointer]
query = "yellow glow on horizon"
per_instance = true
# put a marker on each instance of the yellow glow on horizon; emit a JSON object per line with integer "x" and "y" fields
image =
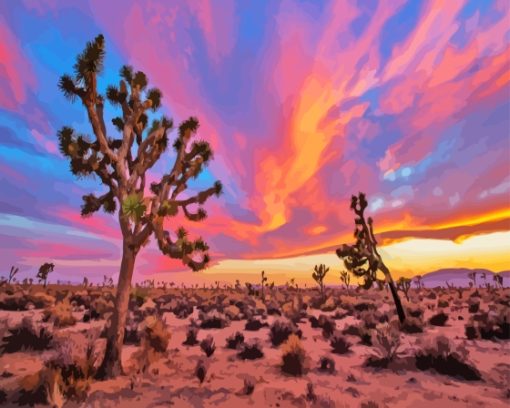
{"x": 405, "y": 258}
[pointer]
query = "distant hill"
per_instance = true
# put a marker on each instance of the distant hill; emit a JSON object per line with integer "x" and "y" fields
{"x": 459, "y": 277}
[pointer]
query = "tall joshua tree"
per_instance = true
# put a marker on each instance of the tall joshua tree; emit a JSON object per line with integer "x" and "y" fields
{"x": 320, "y": 272}
{"x": 362, "y": 258}
{"x": 121, "y": 164}
{"x": 44, "y": 271}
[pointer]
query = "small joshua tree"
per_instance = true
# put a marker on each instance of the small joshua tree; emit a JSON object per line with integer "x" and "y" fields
{"x": 362, "y": 258}
{"x": 345, "y": 277}
{"x": 319, "y": 275}
{"x": 418, "y": 282}
{"x": 263, "y": 284}
{"x": 472, "y": 277}
{"x": 404, "y": 285}
{"x": 498, "y": 280}
{"x": 44, "y": 270}
{"x": 122, "y": 163}
{"x": 12, "y": 274}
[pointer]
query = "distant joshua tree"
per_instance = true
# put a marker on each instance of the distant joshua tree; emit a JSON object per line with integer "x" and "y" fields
{"x": 44, "y": 270}
{"x": 263, "y": 284}
{"x": 418, "y": 282}
{"x": 14, "y": 271}
{"x": 404, "y": 285}
{"x": 320, "y": 272}
{"x": 472, "y": 277}
{"x": 362, "y": 258}
{"x": 345, "y": 277}
{"x": 121, "y": 164}
{"x": 498, "y": 280}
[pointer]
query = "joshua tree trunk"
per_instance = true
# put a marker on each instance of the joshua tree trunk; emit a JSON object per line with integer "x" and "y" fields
{"x": 112, "y": 363}
{"x": 394, "y": 293}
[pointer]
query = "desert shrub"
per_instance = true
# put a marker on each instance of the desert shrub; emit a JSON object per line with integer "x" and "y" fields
{"x": 234, "y": 340}
{"x": 327, "y": 364}
{"x": 314, "y": 322}
{"x": 249, "y": 385}
{"x": 66, "y": 375}
{"x": 182, "y": 309}
{"x": 155, "y": 334}
{"x": 443, "y": 303}
{"x": 327, "y": 324}
{"x": 339, "y": 343}
{"x": 361, "y": 306}
{"x": 27, "y": 335}
{"x": 191, "y": 337}
{"x": 439, "y": 319}
{"x": 273, "y": 309}
{"x": 213, "y": 320}
{"x": 412, "y": 325}
{"x": 154, "y": 342}
{"x": 41, "y": 300}
{"x": 442, "y": 356}
{"x": 293, "y": 356}
{"x": 280, "y": 331}
{"x": 61, "y": 315}
{"x": 250, "y": 351}
{"x": 386, "y": 342}
{"x": 254, "y": 324}
{"x": 361, "y": 331}
{"x": 207, "y": 345}
{"x": 13, "y": 301}
{"x": 473, "y": 306}
{"x": 132, "y": 334}
{"x": 99, "y": 307}
{"x": 489, "y": 326}
{"x": 369, "y": 318}
{"x": 415, "y": 312}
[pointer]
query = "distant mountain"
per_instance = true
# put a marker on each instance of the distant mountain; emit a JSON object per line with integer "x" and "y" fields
{"x": 459, "y": 277}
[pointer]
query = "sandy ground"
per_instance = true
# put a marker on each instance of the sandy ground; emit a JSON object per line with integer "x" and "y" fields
{"x": 170, "y": 381}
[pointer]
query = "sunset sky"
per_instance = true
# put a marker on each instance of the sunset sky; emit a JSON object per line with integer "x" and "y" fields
{"x": 304, "y": 104}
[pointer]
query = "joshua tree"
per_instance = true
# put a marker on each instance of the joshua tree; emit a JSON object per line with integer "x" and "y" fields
{"x": 472, "y": 277}
{"x": 44, "y": 270}
{"x": 263, "y": 283}
{"x": 404, "y": 284}
{"x": 319, "y": 275}
{"x": 12, "y": 274}
{"x": 345, "y": 277}
{"x": 121, "y": 164}
{"x": 362, "y": 258}
{"x": 498, "y": 280}
{"x": 418, "y": 282}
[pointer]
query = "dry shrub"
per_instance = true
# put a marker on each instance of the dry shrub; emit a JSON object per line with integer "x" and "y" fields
{"x": 207, "y": 345}
{"x": 191, "y": 337}
{"x": 412, "y": 325}
{"x": 439, "y": 319}
{"x": 386, "y": 342}
{"x": 66, "y": 375}
{"x": 250, "y": 351}
{"x": 280, "y": 331}
{"x": 234, "y": 340}
{"x": 442, "y": 356}
{"x": 154, "y": 342}
{"x": 339, "y": 343}
{"x": 327, "y": 364}
{"x": 27, "y": 335}
{"x": 213, "y": 320}
{"x": 361, "y": 331}
{"x": 254, "y": 324}
{"x": 61, "y": 315}
{"x": 490, "y": 326}
{"x": 293, "y": 356}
